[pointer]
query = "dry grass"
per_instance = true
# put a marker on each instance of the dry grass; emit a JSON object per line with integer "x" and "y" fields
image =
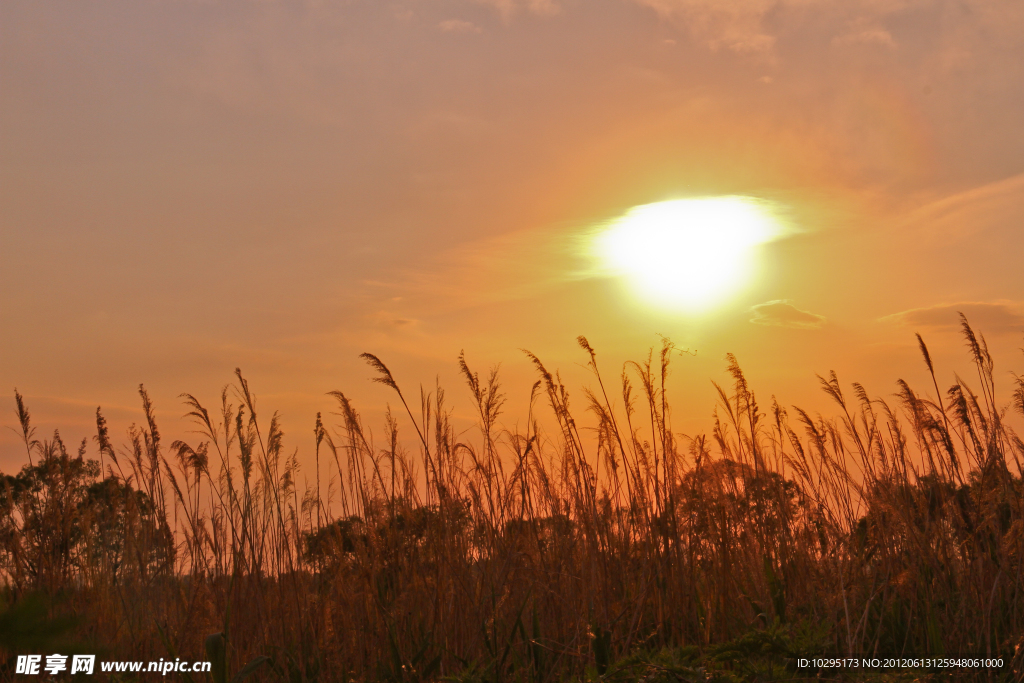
{"x": 624, "y": 550}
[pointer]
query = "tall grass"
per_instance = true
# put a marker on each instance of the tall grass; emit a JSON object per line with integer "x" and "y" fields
{"x": 617, "y": 549}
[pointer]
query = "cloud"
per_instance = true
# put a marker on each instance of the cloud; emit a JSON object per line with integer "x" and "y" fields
{"x": 736, "y": 25}
{"x": 782, "y": 313}
{"x": 994, "y": 206}
{"x": 752, "y": 27}
{"x": 866, "y": 36}
{"x": 391, "y": 319}
{"x": 994, "y": 317}
{"x": 458, "y": 26}
{"x": 507, "y": 8}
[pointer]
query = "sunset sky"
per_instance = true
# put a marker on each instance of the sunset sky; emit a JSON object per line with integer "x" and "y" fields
{"x": 187, "y": 186}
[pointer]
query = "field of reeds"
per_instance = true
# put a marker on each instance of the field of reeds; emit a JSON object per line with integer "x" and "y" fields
{"x": 604, "y": 546}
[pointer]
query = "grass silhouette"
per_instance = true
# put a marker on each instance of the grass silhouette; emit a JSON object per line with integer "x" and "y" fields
{"x": 622, "y": 552}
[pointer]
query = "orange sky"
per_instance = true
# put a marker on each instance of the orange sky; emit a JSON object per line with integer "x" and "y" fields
{"x": 187, "y": 186}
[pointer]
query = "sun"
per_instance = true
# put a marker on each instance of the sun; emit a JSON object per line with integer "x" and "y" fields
{"x": 689, "y": 253}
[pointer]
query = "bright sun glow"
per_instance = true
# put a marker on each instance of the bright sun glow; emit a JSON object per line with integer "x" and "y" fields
{"x": 689, "y": 252}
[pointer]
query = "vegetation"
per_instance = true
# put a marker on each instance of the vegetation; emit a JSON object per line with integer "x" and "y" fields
{"x": 622, "y": 551}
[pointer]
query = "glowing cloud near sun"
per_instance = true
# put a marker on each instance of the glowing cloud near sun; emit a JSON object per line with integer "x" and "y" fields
{"x": 689, "y": 253}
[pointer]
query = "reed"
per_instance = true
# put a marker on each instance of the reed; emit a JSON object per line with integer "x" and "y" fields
{"x": 618, "y": 550}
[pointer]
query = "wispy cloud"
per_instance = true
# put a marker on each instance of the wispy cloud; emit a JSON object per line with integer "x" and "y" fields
{"x": 458, "y": 26}
{"x": 991, "y": 317}
{"x": 508, "y": 8}
{"x": 965, "y": 214}
{"x": 870, "y": 35}
{"x": 516, "y": 266}
{"x": 782, "y": 313}
{"x": 737, "y": 25}
{"x": 752, "y": 26}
